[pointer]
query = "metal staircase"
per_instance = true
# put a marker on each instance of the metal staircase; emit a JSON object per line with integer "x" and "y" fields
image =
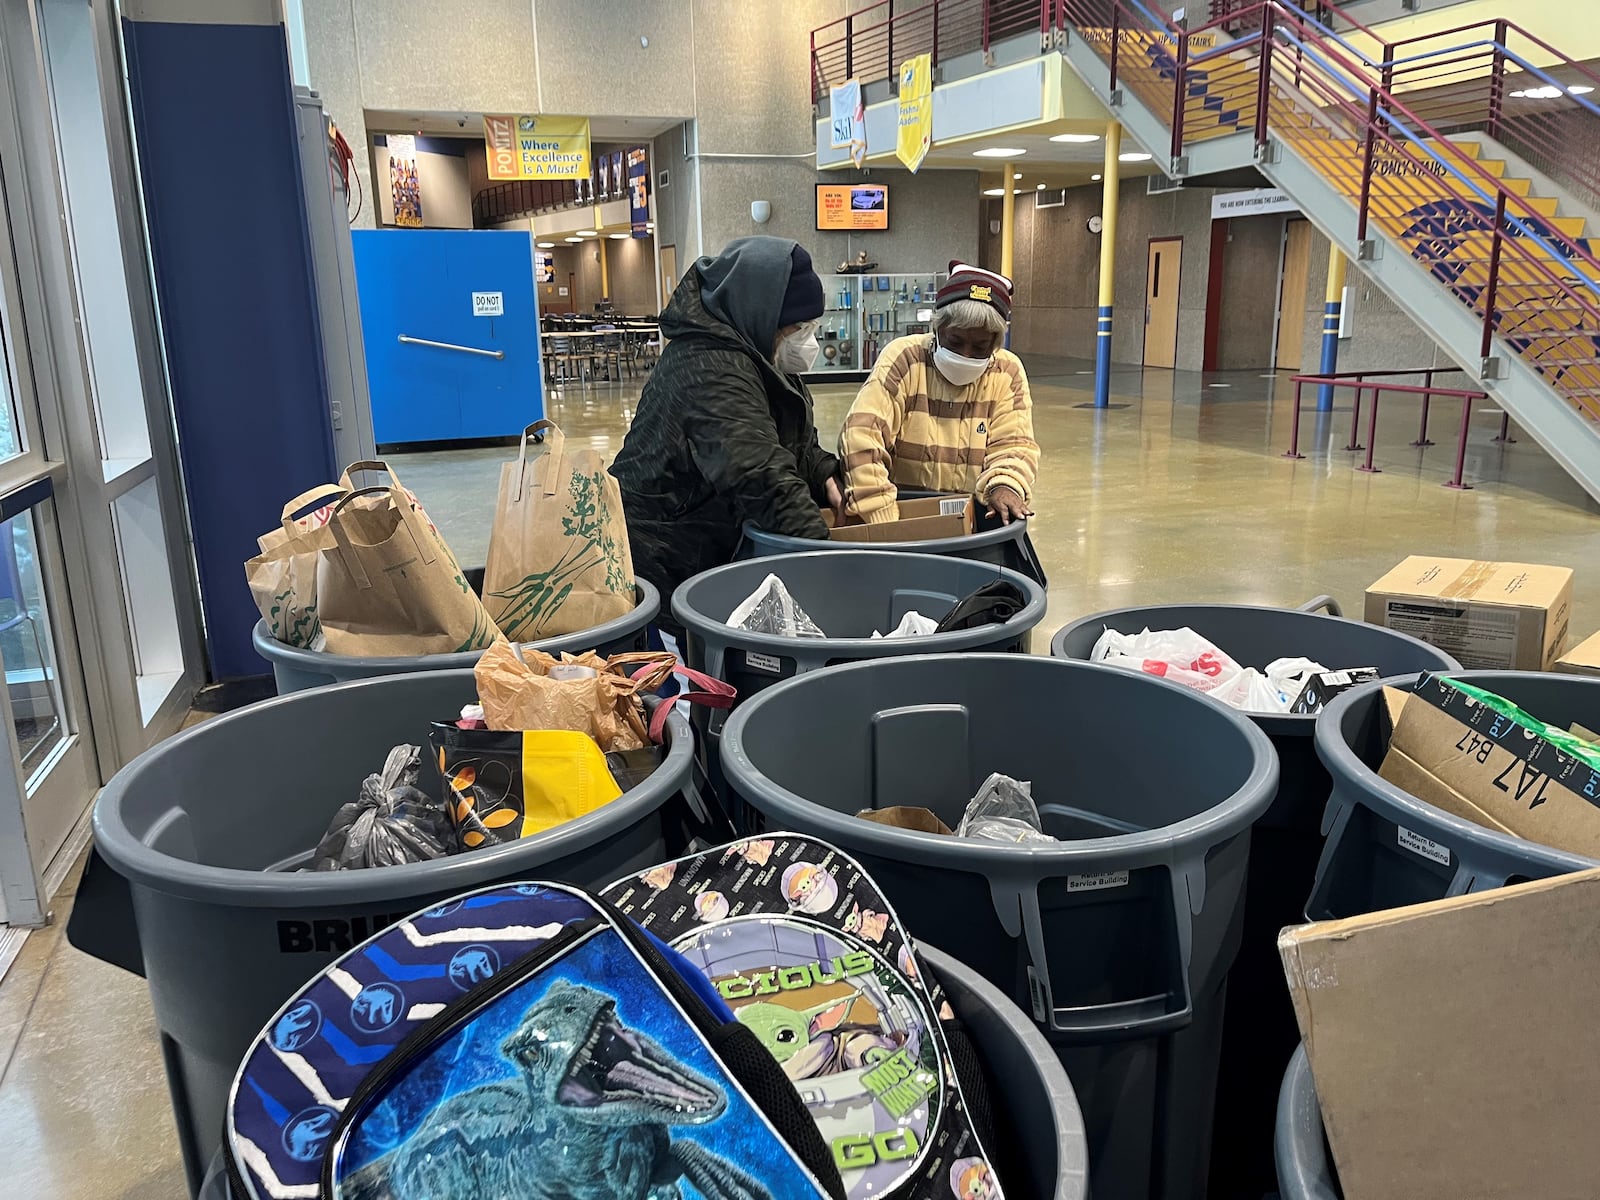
{"x": 1408, "y": 156}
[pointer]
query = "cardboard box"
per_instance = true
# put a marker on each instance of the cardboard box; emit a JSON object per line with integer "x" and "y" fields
{"x": 1487, "y": 615}
{"x": 1582, "y": 659}
{"x": 1459, "y": 755}
{"x": 920, "y": 521}
{"x": 1454, "y": 1043}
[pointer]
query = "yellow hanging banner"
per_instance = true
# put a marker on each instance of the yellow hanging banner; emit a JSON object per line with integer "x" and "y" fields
{"x": 537, "y": 147}
{"x": 916, "y": 111}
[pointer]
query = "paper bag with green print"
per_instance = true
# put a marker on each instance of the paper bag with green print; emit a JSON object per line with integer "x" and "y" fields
{"x": 558, "y": 552}
{"x": 389, "y": 586}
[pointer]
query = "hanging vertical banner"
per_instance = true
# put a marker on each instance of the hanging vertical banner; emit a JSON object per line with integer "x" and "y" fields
{"x": 403, "y": 188}
{"x": 603, "y": 168}
{"x": 916, "y": 111}
{"x": 544, "y": 266}
{"x": 849, "y": 120}
{"x": 619, "y": 180}
{"x": 639, "y": 191}
{"x": 537, "y": 147}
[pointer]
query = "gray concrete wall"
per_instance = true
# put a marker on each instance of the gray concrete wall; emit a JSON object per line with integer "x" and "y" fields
{"x": 1250, "y": 261}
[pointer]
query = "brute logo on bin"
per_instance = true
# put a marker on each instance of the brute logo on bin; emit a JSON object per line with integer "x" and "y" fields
{"x": 332, "y": 935}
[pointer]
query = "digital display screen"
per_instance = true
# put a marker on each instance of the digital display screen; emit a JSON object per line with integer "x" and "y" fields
{"x": 852, "y": 207}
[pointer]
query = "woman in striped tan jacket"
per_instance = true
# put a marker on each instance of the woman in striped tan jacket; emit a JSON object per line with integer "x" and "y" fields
{"x": 947, "y": 412}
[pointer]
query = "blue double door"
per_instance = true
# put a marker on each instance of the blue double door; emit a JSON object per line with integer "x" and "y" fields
{"x": 452, "y": 333}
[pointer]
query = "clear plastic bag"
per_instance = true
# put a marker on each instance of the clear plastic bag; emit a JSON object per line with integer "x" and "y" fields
{"x": 913, "y": 624}
{"x": 1181, "y": 655}
{"x": 1003, "y": 811}
{"x": 771, "y": 609}
{"x": 390, "y": 822}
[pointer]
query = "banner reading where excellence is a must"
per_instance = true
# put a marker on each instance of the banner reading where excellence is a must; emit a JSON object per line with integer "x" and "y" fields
{"x": 537, "y": 147}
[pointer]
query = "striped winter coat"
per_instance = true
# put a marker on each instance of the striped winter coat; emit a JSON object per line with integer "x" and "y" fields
{"x": 911, "y": 427}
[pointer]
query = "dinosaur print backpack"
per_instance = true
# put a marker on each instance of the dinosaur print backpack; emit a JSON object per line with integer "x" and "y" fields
{"x": 523, "y": 1042}
{"x": 797, "y": 939}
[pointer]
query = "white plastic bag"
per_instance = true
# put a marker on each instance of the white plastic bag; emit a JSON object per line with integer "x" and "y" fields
{"x": 771, "y": 609}
{"x": 1180, "y": 655}
{"x": 1003, "y": 811}
{"x": 913, "y": 624}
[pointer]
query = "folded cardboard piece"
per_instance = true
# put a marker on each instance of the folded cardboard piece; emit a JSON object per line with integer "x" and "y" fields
{"x": 1460, "y": 755}
{"x": 1488, "y": 615}
{"x": 1453, "y": 1043}
{"x": 1582, "y": 659}
{"x": 920, "y": 520}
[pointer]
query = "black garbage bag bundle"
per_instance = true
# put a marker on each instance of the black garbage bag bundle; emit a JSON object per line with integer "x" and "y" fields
{"x": 390, "y": 822}
{"x": 992, "y": 604}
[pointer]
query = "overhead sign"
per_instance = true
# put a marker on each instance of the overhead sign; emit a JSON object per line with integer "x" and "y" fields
{"x": 537, "y": 147}
{"x": 488, "y": 304}
{"x": 848, "y": 119}
{"x": 1248, "y": 204}
{"x": 916, "y": 111}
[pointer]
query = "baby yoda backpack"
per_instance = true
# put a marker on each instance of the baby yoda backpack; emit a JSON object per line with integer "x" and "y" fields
{"x": 799, "y": 942}
{"x": 522, "y": 1042}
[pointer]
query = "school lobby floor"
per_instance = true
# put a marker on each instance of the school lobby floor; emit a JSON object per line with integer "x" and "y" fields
{"x": 1178, "y": 492}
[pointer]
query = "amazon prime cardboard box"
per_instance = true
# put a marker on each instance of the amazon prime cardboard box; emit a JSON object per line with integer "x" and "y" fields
{"x": 1489, "y": 616}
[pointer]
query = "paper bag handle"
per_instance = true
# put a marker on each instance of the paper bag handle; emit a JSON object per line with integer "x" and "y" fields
{"x": 369, "y": 464}
{"x": 554, "y": 453}
{"x": 408, "y": 517}
{"x": 307, "y": 499}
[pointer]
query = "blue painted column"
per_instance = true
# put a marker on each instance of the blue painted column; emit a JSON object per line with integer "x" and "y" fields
{"x": 219, "y": 165}
{"x": 1108, "y": 265}
{"x": 1332, "y": 312}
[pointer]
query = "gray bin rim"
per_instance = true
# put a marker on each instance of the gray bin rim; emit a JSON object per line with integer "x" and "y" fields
{"x": 988, "y": 537}
{"x": 1071, "y": 1146}
{"x": 321, "y": 662}
{"x": 1344, "y": 764}
{"x": 1148, "y": 848}
{"x": 1273, "y": 723}
{"x": 868, "y": 647}
{"x": 239, "y": 888}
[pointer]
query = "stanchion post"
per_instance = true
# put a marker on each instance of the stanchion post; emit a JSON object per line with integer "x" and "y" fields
{"x": 1355, "y": 419}
{"x": 1294, "y": 430}
{"x": 1461, "y": 447}
{"x": 1372, "y": 436}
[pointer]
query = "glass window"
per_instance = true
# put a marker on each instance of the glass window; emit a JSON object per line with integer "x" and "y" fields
{"x": 25, "y": 646}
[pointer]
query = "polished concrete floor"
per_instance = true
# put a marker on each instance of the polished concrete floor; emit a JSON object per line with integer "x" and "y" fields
{"x": 1178, "y": 492}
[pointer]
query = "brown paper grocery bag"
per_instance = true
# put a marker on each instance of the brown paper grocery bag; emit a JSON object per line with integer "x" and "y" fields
{"x": 389, "y": 586}
{"x": 524, "y": 688}
{"x": 558, "y": 553}
{"x": 283, "y": 577}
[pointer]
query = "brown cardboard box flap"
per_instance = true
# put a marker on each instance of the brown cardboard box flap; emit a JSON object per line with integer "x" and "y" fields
{"x": 1480, "y": 775}
{"x": 1453, "y": 1043}
{"x": 1522, "y": 585}
{"x": 1582, "y": 659}
{"x": 921, "y": 520}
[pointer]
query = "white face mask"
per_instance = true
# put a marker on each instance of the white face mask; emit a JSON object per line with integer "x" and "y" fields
{"x": 797, "y": 353}
{"x": 958, "y": 369}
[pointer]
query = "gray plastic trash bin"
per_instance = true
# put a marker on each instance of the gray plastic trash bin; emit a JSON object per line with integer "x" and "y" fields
{"x": 215, "y": 1185}
{"x": 1039, "y": 1148}
{"x": 1385, "y": 848}
{"x": 849, "y": 593}
{"x": 296, "y": 670}
{"x": 1119, "y": 940}
{"x": 1260, "y": 1030}
{"x": 992, "y": 542}
{"x": 208, "y": 828}
{"x": 1305, "y": 1169}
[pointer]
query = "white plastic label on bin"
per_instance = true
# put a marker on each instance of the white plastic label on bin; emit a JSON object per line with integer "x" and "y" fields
{"x": 1425, "y": 847}
{"x": 763, "y": 662}
{"x": 1096, "y": 883}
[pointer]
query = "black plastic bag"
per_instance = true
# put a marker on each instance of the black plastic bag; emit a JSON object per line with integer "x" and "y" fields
{"x": 390, "y": 822}
{"x": 992, "y": 604}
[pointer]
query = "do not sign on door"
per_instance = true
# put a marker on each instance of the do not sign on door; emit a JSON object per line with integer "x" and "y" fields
{"x": 488, "y": 304}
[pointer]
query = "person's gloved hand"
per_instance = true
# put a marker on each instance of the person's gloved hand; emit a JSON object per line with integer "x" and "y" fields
{"x": 1007, "y": 505}
{"x": 835, "y": 500}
